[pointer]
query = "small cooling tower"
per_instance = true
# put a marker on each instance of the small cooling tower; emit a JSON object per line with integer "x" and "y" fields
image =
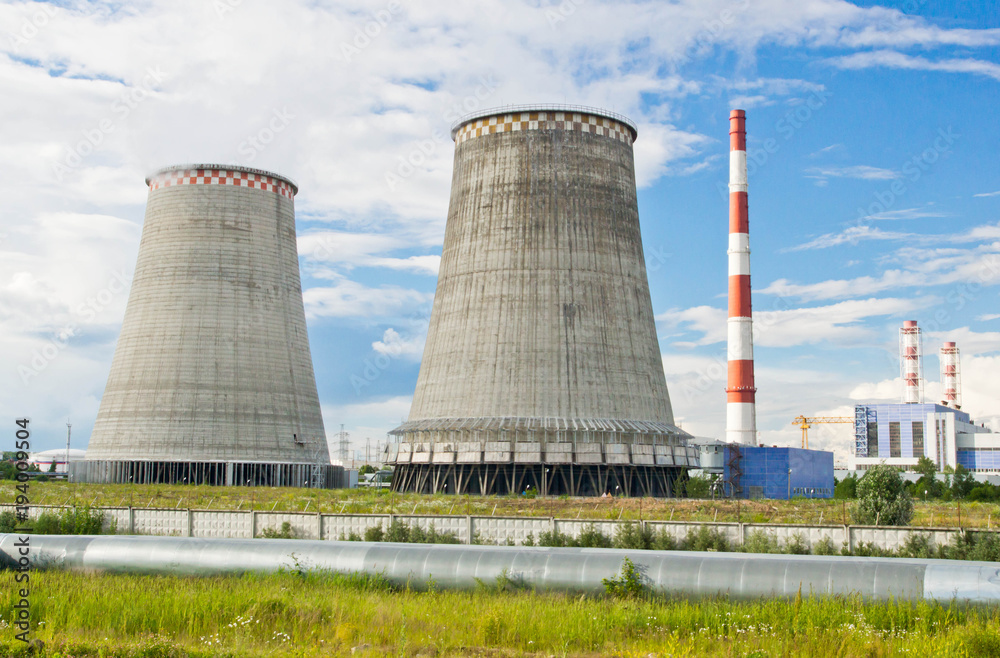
{"x": 542, "y": 367}
{"x": 212, "y": 380}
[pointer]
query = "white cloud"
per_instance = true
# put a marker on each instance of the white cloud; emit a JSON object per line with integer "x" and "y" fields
{"x": 988, "y": 316}
{"x": 851, "y": 235}
{"x": 861, "y": 172}
{"x": 779, "y": 326}
{"x": 971, "y": 343}
{"x": 985, "y": 194}
{"x": 394, "y": 345}
{"x": 896, "y": 60}
{"x": 348, "y": 298}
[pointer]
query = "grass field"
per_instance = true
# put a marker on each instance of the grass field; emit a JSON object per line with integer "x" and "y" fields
{"x": 292, "y": 615}
{"x": 939, "y": 514}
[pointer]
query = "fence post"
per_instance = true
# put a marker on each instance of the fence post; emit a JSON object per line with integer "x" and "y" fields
{"x": 131, "y": 520}
{"x": 190, "y": 523}
{"x": 319, "y": 525}
{"x": 468, "y": 528}
{"x": 253, "y": 524}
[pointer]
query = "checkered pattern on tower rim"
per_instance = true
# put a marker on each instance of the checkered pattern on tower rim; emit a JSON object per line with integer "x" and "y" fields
{"x": 221, "y": 177}
{"x": 505, "y": 123}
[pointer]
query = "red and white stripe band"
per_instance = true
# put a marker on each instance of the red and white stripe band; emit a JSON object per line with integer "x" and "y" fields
{"x": 237, "y": 177}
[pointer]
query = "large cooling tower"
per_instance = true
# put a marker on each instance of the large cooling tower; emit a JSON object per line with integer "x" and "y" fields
{"x": 212, "y": 380}
{"x": 542, "y": 366}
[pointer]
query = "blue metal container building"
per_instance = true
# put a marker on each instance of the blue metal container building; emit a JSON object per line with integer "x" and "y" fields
{"x": 780, "y": 473}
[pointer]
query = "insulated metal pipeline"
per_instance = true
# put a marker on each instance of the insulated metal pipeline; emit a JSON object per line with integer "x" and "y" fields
{"x": 739, "y": 575}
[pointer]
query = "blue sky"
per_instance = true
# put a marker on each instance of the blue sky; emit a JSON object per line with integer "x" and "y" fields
{"x": 874, "y": 180}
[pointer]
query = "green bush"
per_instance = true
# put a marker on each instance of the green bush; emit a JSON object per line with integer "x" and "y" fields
{"x": 554, "y": 538}
{"x": 8, "y": 521}
{"x": 917, "y": 544}
{"x": 882, "y": 498}
{"x": 635, "y": 536}
{"x": 846, "y": 488}
{"x": 664, "y": 541}
{"x": 797, "y": 545}
{"x": 285, "y": 532}
{"x": 628, "y": 584}
{"x": 591, "y": 537}
{"x": 375, "y": 533}
{"x": 759, "y": 541}
{"x": 699, "y": 486}
{"x": 705, "y": 539}
{"x": 824, "y": 546}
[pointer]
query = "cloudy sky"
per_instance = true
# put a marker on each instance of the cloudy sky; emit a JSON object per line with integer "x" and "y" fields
{"x": 874, "y": 179}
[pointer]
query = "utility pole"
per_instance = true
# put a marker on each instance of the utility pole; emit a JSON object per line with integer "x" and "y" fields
{"x": 69, "y": 429}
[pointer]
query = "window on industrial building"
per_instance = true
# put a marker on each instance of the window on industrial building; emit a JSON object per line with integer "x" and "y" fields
{"x": 873, "y": 439}
{"x": 918, "y": 439}
{"x": 894, "y": 447}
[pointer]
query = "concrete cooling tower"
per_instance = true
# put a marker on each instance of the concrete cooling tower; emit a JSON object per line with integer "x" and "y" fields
{"x": 212, "y": 381}
{"x": 542, "y": 367}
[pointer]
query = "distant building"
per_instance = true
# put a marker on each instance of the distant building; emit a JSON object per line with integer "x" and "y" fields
{"x": 767, "y": 471}
{"x": 778, "y": 472}
{"x": 899, "y": 434}
{"x": 44, "y": 459}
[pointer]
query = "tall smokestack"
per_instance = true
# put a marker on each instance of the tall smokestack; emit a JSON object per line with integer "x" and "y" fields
{"x": 911, "y": 368}
{"x": 951, "y": 376}
{"x": 741, "y": 415}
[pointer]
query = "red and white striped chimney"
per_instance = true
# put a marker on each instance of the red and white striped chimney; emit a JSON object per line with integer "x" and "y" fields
{"x": 741, "y": 414}
{"x": 910, "y": 363}
{"x": 951, "y": 376}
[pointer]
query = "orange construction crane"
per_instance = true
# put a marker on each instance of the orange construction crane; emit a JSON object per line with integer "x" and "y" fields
{"x": 805, "y": 422}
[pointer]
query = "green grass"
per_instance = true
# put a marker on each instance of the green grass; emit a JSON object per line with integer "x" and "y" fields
{"x": 288, "y": 615}
{"x": 369, "y": 501}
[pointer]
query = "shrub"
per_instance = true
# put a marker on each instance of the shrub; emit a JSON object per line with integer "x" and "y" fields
{"x": 882, "y": 498}
{"x": 759, "y": 541}
{"x": 698, "y": 487}
{"x": 846, "y": 488}
{"x": 824, "y": 546}
{"x": 664, "y": 541}
{"x": 8, "y": 521}
{"x": 285, "y": 532}
{"x": 917, "y": 544}
{"x": 634, "y": 535}
{"x": 554, "y": 538}
{"x": 591, "y": 537}
{"x": 628, "y": 584}
{"x": 705, "y": 539}
{"x": 797, "y": 545}
{"x": 375, "y": 533}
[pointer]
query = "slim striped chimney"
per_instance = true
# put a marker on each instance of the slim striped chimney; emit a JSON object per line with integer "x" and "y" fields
{"x": 911, "y": 363}
{"x": 741, "y": 415}
{"x": 951, "y": 376}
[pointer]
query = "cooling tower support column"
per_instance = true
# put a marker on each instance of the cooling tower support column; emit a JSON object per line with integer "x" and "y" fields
{"x": 212, "y": 380}
{"x": 542, "y": 368}
{"x": 741, "y": 414}
{"x": 951, "y": 376}
{"x": 911, "y": 363}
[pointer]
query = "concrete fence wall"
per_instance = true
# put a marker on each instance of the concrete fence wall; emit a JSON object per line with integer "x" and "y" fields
{"x": 486, "y": 529}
